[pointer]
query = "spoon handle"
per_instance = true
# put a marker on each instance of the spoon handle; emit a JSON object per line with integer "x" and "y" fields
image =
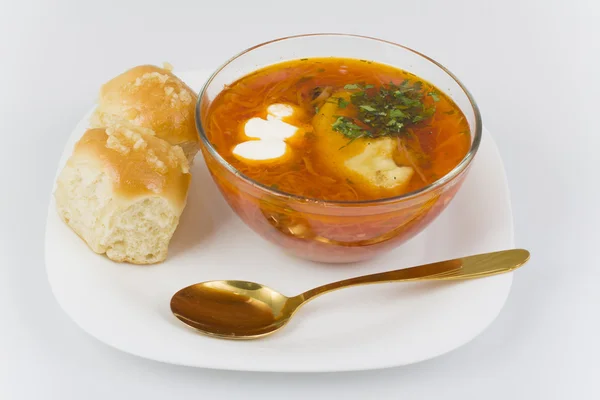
{"x": 476, "y": 266}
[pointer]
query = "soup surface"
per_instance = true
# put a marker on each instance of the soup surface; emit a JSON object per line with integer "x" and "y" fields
{"x": 338, "y": 129}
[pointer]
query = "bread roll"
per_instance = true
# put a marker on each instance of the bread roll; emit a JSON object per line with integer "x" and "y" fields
{"x": 153, "y": 99}
{"x": 123, "y": 193}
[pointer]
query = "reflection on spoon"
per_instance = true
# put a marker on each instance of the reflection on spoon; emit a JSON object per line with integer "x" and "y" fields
{"x": 220, "y": 310}
{"x": 247, "y": 310}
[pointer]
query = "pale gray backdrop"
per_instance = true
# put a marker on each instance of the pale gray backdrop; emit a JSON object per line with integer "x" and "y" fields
{"x": 533, "y": 66}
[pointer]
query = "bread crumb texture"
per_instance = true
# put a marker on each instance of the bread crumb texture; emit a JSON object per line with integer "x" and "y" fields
{"x": 175, "y": 93}
{"x": 155, "y": 101}
{"x": 124, "y": 141}
{"x": 123, "y": 193}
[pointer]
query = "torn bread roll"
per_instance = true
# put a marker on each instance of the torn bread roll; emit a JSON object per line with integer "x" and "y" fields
{"x": 150, "y": 100}
{"x": 123, "y": 192}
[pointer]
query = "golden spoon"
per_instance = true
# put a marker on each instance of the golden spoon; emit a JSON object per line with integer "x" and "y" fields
{"x": 247, "y": 310}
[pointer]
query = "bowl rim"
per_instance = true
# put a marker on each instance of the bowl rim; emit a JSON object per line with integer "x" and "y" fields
{"x": 460, "y": 167}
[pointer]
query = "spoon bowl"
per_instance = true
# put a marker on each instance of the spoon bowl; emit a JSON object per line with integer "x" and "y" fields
{"x": 233, "y": 309}
{"x": 246, "y": 310}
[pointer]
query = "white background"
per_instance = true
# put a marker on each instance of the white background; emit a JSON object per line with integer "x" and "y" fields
{"x": 532, "y": 65}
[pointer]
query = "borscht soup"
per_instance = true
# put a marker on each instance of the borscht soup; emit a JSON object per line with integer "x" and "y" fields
{"x": 338, "y": 129}
{"x": 336, "y": 148}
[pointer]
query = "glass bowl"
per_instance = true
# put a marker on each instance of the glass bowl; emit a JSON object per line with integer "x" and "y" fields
{"x": 328, "y": 231}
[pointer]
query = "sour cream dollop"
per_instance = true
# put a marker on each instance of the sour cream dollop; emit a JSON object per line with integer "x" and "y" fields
{"x": 271, "y": 134}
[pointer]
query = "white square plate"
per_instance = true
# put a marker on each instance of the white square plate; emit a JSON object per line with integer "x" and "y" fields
{"x": 127, "y": 306}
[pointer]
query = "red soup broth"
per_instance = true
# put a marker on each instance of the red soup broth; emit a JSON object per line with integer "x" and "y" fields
{"x": 307, "y": 205}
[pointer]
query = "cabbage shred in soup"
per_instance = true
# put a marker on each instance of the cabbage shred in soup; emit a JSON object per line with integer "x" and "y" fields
{"x": 338, "y": 129}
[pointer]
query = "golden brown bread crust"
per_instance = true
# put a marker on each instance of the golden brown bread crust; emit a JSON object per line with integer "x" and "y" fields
{"x": 150, "y": 97}
{"x": 138, "y": 164}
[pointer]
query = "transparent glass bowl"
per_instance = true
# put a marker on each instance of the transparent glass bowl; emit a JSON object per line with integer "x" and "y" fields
{"x": 328, "y": 231}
